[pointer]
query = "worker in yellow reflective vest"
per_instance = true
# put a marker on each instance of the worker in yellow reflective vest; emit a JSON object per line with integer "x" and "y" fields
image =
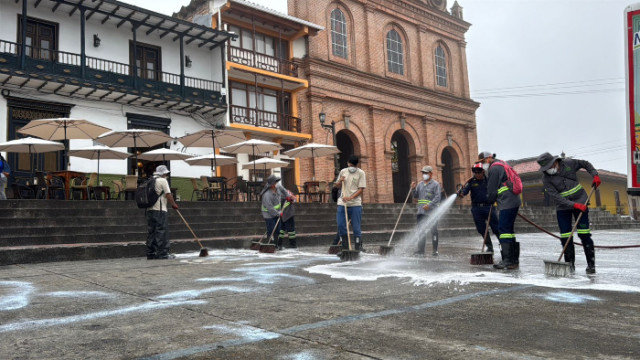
{"x": 428, "y": 192}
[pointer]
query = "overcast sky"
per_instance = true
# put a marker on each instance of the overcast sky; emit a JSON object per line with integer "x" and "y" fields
{"x": 549, "y": 75}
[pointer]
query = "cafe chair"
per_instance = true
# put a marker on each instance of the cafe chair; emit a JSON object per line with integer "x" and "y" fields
{"x": 56, "y": 188}
{"x": 118, "y": 190}
{"x": 42, "y": 189}
{"x": 301, "y": 195}
{"x": 322, "y": 190}
{"x": 241, "y": 188}
{"x": 206, "y": 187}
{"x": 91, "y": 183}
{"x": 78, "y": 188}
{"x": 22, "y": 191}
{"x": 130, "y": 187}
{"x": 196, "y": 190}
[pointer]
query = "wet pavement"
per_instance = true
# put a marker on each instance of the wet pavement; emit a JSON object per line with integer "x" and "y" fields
{"x": 305, "y": 304}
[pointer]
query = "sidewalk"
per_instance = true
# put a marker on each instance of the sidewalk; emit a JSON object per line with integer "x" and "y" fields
{"x": 305, "y": 304}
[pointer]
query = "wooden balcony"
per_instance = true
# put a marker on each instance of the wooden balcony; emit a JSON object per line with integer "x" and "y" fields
{"x": 263, "y": 62}
{"x": 75, "y": 74}
{"x": 266, "y": 119}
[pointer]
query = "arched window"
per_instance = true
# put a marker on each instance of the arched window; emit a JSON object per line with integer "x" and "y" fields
{"x": 441, "y": 67}
{"x": 339, "y": 34}
{"x": 395, "y": 55}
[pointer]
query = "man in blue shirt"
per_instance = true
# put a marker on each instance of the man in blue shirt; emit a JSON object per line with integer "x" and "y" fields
{"x": 480, "y": 205}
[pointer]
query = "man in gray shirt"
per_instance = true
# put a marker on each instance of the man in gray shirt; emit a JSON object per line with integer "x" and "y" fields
{"x": 428, "y": 194}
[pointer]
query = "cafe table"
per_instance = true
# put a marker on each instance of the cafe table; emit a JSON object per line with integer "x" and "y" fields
{"x": 67, "y": 175}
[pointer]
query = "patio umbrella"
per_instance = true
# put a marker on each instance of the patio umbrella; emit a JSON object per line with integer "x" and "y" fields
{"x": 212, "y": 138}
{"x": 63, "y": 129}
{"x": 164, "y": 155}
{"x": 32, "y": 146}
{"x": 268, "y": 163}
{"x": 99, "y": 152}
{"x": 205, "y": 160}
{"x": 251, "y": 147}
{"x": 133, "y": 138}
{"x": 312, "y": 150}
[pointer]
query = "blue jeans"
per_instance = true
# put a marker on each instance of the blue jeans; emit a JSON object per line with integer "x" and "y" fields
{"x": 157, "y": 235}
{"x": 506, "y": 227}
{"x": 355, "y": 215}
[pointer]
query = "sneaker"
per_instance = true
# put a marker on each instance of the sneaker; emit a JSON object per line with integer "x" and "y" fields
{"x": 168, "y": 256}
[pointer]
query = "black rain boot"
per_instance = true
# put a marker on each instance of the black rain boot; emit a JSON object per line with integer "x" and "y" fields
{"x": 570, "y": 254}
{"x": 516, "y": 252}
{"x": 293, "y": 244}
{"x": 421, "y": 245}
{"x": 590, "y": 254}
{"x": 359, "y": 244}
{"x": 434, "y": 243}
{"x": 489, "y": 244}
{"x": 507, "y": 252}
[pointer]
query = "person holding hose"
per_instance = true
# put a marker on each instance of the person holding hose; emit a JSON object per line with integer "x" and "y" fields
{"x": 498, "y": 189}
{"x": 480, "y": 206}
{"x": 560, "y": 180}
{"x": 428, "y": 192}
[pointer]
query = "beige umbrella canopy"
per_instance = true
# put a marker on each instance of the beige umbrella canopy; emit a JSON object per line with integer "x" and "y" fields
{"x": 63, "y": 129}
{"x": 133, "y": 138}
{"x": 164, "y": 155}
{"x": 212, "y": 138}
{"x": 312, "y": 150}
{"x": 253, "y": 146}
{"x": 206, "y": 160}
{"x": 32, "y": 146}
{"x": 99, "y": 152}
{"x": 266, "y": 163}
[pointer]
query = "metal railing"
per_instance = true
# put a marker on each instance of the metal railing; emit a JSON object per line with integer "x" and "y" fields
{"x": 266, "y": 119}
{"x": 108, "y": 66}
{"x": 262, "y": 61}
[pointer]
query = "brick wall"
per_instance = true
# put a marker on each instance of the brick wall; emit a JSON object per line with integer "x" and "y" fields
{"x": 378, "y": 102}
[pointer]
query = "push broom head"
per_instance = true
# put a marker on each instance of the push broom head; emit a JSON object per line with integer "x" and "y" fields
{"x": 267, "y": 248}
{"x": 204, "y": 252}
{"x": 483, "y": 258}
{"x": 334, "y": 249}
{"x": 385, "y": 250}
{"x": 349, "y": 255}
{"x": 255, "y": 245}
{"x": 557, "y": 268}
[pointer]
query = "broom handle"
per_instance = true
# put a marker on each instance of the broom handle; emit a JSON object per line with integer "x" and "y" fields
{"x": 397, "y": 221}
{"x": 274, "y": 231}
{"x": 186, "y": 223}
{"x": 486, "y": 230}
{"x": 575, "y": 226}
{"x": 346, "y": 219}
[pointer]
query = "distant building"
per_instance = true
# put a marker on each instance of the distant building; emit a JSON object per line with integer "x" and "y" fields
{"x": 392, "y": 76}
{"x": 109, "y": 62}
{"x": 611, "y": 195}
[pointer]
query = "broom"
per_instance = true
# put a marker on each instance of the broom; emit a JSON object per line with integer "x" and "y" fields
{"x": 335, "y": 249}
{"x": 388, "y": 249}
{"x": 348, "y": 255}
{"x": 203, "y": 251}
{"x": 558, "y": 268}
{"x": 483, "y": 258}
{"x": 269, "y": 247}
{"x": 255, "y": 245}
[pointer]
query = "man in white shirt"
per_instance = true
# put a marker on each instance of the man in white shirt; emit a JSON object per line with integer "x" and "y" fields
{"x": 352, "y": 181}
{"x": 157, "y": 238}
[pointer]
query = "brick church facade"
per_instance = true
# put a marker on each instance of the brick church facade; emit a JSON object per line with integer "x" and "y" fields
{"x": 392, "y": 76}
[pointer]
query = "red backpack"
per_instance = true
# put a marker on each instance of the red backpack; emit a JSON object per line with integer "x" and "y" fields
{"x": 514, "y": 183}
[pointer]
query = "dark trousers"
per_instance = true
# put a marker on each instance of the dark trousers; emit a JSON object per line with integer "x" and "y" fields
{"x": 423, "y": 238}
{"x": 157, "y": 234}
{"x": 271, "y": 225}
{"x": 480, "y": 216}
{"x": 565, "y": 222}
{"x": 506, "y": 225}
{"x": 288, "y": 228}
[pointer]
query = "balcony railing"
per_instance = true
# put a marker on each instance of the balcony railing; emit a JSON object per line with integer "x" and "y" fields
{"x": 262, "y": 61}
{"x": 266, "y": 119}
{"x": 106, "y": 71}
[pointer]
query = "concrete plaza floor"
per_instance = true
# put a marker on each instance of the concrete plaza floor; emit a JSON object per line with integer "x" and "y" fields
{"x": 305, "y": 304}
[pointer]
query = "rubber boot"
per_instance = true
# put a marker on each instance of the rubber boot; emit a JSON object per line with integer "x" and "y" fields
{"x": 421, "y": 245}
{"x": 359, "y": 244}
{"x": 489, "y": 244}
{"x": 293, "y": 244}
{"x": 516, "y": 252}
{"x": 508, "y": 254}
{"x": 570, "y": 254}
{"x": 434, "y": 242}
{"x": 590, "y": 254}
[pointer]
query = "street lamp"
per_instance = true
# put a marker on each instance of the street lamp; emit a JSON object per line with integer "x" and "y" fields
{"x": 323, "y": 117}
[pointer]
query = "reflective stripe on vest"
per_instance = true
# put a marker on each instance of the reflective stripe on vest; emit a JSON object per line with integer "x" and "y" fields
{"x": 502, "y": 189}
{"x": 424, "y": 201}
{"x": 571, "y": 191}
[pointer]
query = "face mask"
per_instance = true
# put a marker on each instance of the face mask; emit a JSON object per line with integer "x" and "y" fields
{"x": 485, "y": 166}
{"x": 425, "y": 177}
{"x": 352, "y": 169}
{"x": 552, "y": 171}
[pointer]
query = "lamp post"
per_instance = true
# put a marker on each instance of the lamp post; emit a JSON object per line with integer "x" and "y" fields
{"x": 323, "y": 118}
